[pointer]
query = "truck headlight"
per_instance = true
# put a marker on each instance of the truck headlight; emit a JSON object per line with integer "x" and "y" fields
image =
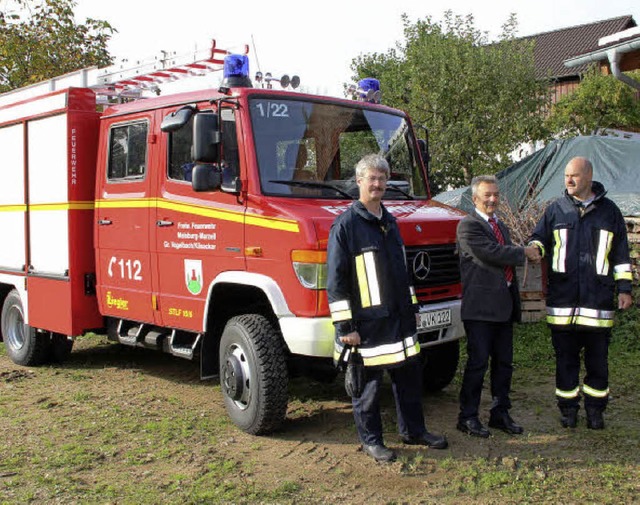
{"x": 310, "y": 268}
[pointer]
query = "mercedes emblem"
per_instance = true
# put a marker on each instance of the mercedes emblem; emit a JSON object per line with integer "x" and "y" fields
{"x": 421, "y": 265}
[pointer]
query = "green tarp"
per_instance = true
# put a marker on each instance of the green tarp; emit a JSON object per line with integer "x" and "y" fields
{"x": 616, "y": 164}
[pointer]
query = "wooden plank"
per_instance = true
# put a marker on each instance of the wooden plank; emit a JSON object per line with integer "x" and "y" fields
{"x": 531, "y": 295}
{"x": 532, "y": 317}
{"x": 531, "y": 305}
{"x": 531, "y": 280}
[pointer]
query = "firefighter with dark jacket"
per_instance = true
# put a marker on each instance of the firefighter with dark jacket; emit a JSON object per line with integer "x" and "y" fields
{"x": 373, "y": 307}
{"x": 584, "y": 239}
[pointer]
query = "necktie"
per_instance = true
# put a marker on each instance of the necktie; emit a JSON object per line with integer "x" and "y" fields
{"x": 508, "y": 270}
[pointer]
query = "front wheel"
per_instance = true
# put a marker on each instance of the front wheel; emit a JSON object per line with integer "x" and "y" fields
{"x": 25, "y": 346}
{"x": 253, "y": 374}
{"x": 440, "y": 365}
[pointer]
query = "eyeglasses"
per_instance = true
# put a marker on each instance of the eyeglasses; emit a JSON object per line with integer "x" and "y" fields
{"x": 374, "y": 178}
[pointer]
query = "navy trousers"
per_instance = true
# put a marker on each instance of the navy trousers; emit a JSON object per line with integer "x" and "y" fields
{"x": 567, "y": 345}
{"x": 406, "y": 383}
{"x": 486, "y": 341}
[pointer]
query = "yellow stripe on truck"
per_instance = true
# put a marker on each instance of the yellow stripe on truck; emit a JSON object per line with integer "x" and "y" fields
{"x": 274, "y": 223}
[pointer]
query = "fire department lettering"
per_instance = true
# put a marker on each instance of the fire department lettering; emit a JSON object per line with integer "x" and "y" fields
{"x": 194, "y": 236}
{"x": 128, "y": 269}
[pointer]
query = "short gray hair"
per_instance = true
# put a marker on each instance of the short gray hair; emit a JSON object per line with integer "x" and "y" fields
{"x": 372, "y": 162}
{"x": 482, "y": 179}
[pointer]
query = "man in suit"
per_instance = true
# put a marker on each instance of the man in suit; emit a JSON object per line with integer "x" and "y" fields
{"x": 490, "y": 305}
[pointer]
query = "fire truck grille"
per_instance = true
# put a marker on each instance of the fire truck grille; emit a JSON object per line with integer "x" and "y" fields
{"x": 432, "y": 266}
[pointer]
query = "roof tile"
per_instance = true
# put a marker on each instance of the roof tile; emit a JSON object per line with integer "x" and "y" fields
{"x": 553, "y": 48}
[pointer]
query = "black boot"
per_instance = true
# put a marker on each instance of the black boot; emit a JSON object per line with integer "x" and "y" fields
{"x": 569, "y": 417}
{"x": 595, "y": 420}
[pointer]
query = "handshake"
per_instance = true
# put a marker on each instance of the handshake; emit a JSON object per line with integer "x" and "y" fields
{"x": 532, "y": 253}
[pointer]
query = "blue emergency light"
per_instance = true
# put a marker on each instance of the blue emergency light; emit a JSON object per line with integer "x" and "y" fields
{"x": 369, "y": 90}
{"x": 369, "y": 83}
{"x": 236, "y": 71}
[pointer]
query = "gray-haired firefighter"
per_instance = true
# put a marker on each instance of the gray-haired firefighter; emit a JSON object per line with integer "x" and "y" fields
{"x": 584, "y": 239}
{"x": 373, "y": 307}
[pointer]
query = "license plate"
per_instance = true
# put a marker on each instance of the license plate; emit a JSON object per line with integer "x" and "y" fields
{"x": 434, "y": 319}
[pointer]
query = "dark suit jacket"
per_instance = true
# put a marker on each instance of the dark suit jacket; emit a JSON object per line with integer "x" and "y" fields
{"x": 485, "y": 294}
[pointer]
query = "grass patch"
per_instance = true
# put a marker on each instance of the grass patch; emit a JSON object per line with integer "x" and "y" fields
{"x": 124, "y": 426}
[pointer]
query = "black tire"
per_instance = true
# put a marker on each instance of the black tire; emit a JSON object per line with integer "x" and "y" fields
{"x": 440, "y": 366}
{"x": 61, "y": 347}
{"x": 253, "y": 374}
{"x": 25, "y": 346}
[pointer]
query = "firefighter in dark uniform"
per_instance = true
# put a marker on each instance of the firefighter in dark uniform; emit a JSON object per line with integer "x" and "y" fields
{"x": 373, "y": 307}
{"x": 584, "y": 238}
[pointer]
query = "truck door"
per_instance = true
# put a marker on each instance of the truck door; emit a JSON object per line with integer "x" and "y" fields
{"x": 123, "y": 211}
{"x": 198, "y": 236}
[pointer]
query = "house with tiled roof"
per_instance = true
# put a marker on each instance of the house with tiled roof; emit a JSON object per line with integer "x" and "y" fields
{"x": 553, "y": 49}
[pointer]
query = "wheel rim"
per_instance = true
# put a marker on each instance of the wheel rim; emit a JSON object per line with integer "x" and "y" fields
{"x": 15, "y": 328}
{"x": 236, "y": 377}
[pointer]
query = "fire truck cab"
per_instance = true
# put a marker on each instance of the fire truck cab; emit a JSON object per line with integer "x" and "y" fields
{"x": 197, "y": 224}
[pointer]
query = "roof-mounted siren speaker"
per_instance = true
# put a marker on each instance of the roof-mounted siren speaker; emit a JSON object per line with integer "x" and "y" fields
{"x": 236, "y": 71}
{"x": 267, "y": 80}
{"x": 286, "y": 81}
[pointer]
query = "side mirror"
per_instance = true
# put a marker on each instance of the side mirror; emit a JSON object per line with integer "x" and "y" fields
{"x": 177, "y": 119}
{"x": 206, "y": 137}
{"x": 205, "y": 178}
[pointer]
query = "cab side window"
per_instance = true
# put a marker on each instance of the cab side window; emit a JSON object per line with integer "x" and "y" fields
{"x": 128, "y": 151}
{"x": 179, "y": 157}
{"x": 230, "y": 156}
{"x": 179, "y": 163}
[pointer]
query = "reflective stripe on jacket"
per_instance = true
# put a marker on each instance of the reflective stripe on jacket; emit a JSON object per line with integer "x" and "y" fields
{"x": 368, "y": 287}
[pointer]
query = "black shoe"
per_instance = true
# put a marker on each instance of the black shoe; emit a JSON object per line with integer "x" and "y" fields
{"x": 379, "y": 453}
{"x": 505, "y": 423}
{"x": 429, "y": 439}
{"x": 595, "y": 420}
{"x": 569, "y": 417}
{"x": 473, "y": 427}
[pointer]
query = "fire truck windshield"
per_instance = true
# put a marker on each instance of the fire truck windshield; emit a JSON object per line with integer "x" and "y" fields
{"x": 310, "y": 149}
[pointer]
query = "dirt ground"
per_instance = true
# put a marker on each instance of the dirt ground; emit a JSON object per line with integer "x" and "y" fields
{"x": 316, "y": 448}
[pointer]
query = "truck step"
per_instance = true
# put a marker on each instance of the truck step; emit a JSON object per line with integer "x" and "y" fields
{"x": 131, "y": 336}
{"x": 183, "y": 344}
{"x": 143, "y": 335}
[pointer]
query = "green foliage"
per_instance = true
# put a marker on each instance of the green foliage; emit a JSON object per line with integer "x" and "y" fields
{"x": 42, "y": 40}
{"x": 626, "y": 331}
{"x": 600, "y": 102}
{"x": 479, "y": 100}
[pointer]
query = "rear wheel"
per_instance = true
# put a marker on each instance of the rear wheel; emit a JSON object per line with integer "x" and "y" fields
{"x": 24, "y": 345}
{"x": 253, "y": 374}
{"x": 441, "y": 364}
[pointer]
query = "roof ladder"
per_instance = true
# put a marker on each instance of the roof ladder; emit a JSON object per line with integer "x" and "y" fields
{"x": 119, "y": 82}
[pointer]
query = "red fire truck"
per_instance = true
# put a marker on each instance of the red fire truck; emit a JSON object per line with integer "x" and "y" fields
{"x": 197, "y": 223}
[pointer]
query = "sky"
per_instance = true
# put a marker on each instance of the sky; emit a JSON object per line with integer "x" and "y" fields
{"x": 315, "y": 40}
